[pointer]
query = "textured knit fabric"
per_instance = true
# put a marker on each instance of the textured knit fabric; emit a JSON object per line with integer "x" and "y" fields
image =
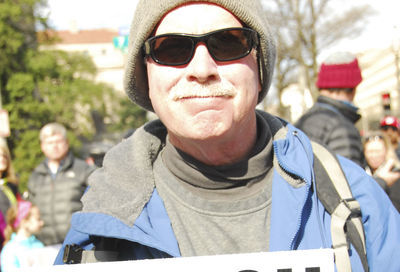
{"x": 15, "y": 252}
{"x": 149, "y": 13}
{"x": 231, "y": 203}
{"x": 221, "y": 224}
{"x": 331, "y": 123}
{"x": 58, "y": 198}
{"x": 342, "y": 75}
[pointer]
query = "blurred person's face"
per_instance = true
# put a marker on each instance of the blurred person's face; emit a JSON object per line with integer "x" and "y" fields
{"x": 33, "y": 223}
{"x": 375, "y": 152}
{"x": 3, "y": 161}
{"x": 392, "y": 133}
{"x": 55, "y": 147}
{"x": 198, "y": 116}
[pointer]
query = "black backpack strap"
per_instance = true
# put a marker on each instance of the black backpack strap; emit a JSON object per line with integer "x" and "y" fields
{"x": 336, "y": 196}
{"x": 105, "y": 250}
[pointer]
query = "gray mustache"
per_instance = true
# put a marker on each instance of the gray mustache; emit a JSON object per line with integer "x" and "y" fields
{"x": 189, "y": 90}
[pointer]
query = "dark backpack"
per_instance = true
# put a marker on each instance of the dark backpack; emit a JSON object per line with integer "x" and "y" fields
{"x": 334, "y": 193}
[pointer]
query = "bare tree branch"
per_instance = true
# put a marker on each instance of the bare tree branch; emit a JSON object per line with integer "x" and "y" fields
{"x": 303, "y": 28}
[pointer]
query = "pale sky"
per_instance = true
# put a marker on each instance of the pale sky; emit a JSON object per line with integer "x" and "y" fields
{"x": 89, "y": 14}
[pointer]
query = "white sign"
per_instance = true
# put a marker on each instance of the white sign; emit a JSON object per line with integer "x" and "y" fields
{"x": 318, "y": 260}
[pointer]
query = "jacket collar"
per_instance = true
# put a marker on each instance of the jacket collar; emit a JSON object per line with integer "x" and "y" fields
{"x": 131, "y": 161}
{"x": 346, "y": 110}
{"x": 64, "y": 164}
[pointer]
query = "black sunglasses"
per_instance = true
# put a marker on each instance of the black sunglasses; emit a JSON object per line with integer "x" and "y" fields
{"x": 223, "y": 45}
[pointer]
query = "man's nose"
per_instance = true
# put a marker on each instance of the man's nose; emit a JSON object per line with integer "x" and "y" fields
{"x": 202, "y": 67}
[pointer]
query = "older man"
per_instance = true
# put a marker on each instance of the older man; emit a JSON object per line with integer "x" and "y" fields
{"x": 213, "y": 175}
{"x": 57, "y": 184}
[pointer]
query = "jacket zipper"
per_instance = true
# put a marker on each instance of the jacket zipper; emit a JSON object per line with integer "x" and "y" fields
{"x": 290, "y": 173}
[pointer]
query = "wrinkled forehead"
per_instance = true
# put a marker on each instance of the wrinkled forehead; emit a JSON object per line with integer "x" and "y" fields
{"x": 196, "y": 18}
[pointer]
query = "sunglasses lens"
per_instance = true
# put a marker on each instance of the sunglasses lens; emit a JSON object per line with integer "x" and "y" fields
{"x": 172, "y": 50}
{"x": 230, "y": 44}
{"x": 223, "y": 45}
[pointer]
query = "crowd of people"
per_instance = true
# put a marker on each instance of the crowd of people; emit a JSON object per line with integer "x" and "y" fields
{"x": 33, "y": 229}
{"x": 213, "y": 175}
{"x": 331, "y": 122}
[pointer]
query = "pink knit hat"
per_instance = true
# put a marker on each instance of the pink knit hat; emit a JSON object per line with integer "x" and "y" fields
{"x": 340, "y": 70}
{"x": 23, "y": 210}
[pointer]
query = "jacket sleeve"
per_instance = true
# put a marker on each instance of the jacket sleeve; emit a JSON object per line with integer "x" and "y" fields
{"x": 380, "y": 219}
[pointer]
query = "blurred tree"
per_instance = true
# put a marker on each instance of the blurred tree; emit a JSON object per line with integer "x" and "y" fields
{"x": 303, "y": 28}
{"x": 41, "y": 86}
{"x": 130, "y": 115}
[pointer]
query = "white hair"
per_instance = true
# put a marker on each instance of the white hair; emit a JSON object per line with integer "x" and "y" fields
{"x": 52, "y": 129}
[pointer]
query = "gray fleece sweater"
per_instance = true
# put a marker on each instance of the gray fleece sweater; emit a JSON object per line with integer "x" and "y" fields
{"x": 125, "y": 183}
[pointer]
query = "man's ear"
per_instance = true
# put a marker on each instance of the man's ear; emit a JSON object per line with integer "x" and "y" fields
{"x": 260, "y": 71}
{"x": 41, "y": 146}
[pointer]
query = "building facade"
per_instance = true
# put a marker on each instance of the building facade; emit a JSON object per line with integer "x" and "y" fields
{"x": 99, "y": 45}
{"x": 380, "y": 71}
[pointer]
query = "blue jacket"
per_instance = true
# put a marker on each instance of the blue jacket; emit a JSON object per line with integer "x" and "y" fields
{"x": 298, "y": 219}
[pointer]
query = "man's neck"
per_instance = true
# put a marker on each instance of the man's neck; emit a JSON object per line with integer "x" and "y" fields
{"x": 23, "y": 233}
{"x": 223, "y": 151}
{"x": 338, "y": 95}
{"x": 53, "y": 165}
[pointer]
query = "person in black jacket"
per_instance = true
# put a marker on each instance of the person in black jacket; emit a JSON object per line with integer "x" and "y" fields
{"x": 331, "y": 120}
{"x": 57, "y": 184}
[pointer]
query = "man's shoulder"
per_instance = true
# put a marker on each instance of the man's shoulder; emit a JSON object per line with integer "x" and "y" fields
{"x": 80, "y": 162}
{"x": 317, "y": 117}
{"x": 320, "y": 109}
{"x": 80, "y": 165}
{"x": 41, "y": 169}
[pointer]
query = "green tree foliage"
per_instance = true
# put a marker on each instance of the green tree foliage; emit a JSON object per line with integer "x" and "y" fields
{"x": 41, "y": 86}
{"x": 130, "y": 116}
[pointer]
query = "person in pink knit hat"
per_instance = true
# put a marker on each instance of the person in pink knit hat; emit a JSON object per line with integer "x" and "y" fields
{"x": 23, "y": 221}
{"x": 331, "y": 119}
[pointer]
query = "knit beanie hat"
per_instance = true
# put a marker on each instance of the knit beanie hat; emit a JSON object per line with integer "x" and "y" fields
{"x": 148, "y": 14}
{"x": 340, "y": 70}
{"x": 23, "y": 210}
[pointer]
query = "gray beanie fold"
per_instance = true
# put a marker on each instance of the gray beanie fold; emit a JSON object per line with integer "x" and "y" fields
{"x": 148, "y": 14}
